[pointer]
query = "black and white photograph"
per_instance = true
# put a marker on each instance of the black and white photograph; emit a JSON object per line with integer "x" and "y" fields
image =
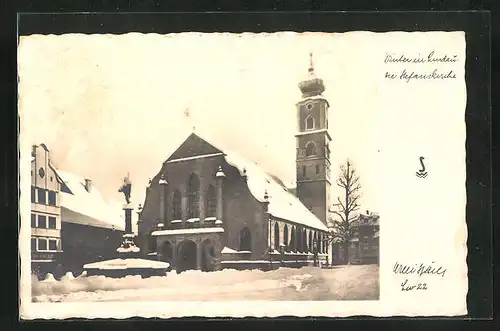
{"x": 263, "y": 168}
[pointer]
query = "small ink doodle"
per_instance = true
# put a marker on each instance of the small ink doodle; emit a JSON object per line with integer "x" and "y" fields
{"x": 421, "y": 173}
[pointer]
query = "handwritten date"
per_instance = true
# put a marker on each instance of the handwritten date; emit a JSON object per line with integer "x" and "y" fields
{"x": 417, "y": 287}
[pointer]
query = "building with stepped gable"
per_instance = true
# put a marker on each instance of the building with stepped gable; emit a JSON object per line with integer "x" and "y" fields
{"x": 208, "y": 208}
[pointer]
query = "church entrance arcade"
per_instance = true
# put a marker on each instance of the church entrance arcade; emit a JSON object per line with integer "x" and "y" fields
{"x": 193, "y": 249}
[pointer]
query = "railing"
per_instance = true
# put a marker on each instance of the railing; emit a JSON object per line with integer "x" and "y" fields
{"x": 43, "y": 256}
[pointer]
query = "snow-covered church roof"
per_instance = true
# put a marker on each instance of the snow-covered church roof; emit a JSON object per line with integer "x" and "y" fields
{"x": 99, "y": 212}
{"x": 283, "y": 203}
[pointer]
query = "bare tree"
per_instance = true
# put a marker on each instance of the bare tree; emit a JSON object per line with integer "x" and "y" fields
{"x": 346, "y": 207}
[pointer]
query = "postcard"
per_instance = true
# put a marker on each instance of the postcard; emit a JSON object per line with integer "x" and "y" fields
{"x": 235, "y": 175}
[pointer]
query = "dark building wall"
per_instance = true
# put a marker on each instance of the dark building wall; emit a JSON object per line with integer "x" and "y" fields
{"x": 85, "y": 244}
{"x": 242, "y": 210}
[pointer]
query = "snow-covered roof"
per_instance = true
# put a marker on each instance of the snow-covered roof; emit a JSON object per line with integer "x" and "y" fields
{"x": 126, "y": 264}
{"x": 186, "y": 231}
{"x": 282, "y": 203}
{"x": 101, "y": 213}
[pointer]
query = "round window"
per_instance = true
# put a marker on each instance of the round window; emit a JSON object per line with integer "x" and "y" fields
{"x": 41, "y": 172}
{"x": 309, "y": 106}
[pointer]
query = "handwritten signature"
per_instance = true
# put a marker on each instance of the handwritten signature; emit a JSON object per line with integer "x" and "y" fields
{"x": 419, "y": 269}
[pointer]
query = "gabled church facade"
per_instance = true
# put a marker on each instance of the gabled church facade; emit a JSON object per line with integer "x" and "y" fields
{"x": 208, "y": 208}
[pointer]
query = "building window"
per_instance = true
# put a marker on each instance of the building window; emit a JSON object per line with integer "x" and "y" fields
{"x": 309, "y": 106}
{"x": 52, "y": 222}
{"x": 310, "y": 149}
{"x": 42, "y": 221}
{"x": 309, "y": 123}
{"x": 41, "y": 196}
{"x": 245, "y": 240}
{"x": 293, "y": 240}
{"x": 311, "y": 244}
{"x": 303, "y": 171}
{"x": 285, "y": 237}
{"x": 33, "y": 194}
{"x": 317, "y": 169}
{"x": 177, "y": 205}
{"x": 33, "y": 244}
{"x": 52, "y": 198}
{"x": 193, "y": 196}
{"x": 211, "y": 202}
{"x": 276, "y": 236}
{"x": 33, "y": 220}
{"x": 53, "y": 245}
{"x": 42, "y": 244}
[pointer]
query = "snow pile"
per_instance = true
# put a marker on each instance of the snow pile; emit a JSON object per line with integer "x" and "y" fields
{"x": 308, "y": 283}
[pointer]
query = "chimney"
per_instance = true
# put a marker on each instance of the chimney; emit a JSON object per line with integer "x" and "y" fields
{"x": 88, "y": 184}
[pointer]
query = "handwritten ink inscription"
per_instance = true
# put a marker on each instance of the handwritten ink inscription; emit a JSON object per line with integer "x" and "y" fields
{"x": 417, "y": 270}
{"x": 411, "y": 73}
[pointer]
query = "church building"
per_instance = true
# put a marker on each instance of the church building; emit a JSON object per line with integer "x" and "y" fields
{"x": 208, "y": 208}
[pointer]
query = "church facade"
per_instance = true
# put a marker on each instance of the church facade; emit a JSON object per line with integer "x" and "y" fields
{"x": 208, "y": 208}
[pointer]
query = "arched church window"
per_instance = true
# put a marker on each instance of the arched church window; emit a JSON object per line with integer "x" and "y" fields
{"x": 211, "y": 202}
{"x": 193, "y": 196}
{"x": 310, "y": 149}
{"x": 285, "y": 237}
{"x": 309, "y": 122}
{"x": 293, "y": 241}
{"x": 276, "y": 236}
{"x": 176, "y": 205}
{"x": 245, "y": 240}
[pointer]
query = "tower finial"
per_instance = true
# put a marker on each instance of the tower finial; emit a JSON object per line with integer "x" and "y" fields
{"x": 311, "y": 64}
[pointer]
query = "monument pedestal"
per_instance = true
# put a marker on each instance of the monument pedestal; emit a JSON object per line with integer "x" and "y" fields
{"x": 127, "y": 261}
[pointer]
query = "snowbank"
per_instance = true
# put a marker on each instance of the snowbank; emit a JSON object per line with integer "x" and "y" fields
{"x": 308, "y": 283}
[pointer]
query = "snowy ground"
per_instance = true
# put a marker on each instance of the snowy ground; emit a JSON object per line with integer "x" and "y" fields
{"x": 308, "y": 283}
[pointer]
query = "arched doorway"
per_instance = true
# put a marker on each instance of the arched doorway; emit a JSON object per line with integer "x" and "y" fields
{"x": 245, "y": 240}
{"x": 207, "y": 255}
{"x": 167, "y": 252}
{"x": 186, "y": 256}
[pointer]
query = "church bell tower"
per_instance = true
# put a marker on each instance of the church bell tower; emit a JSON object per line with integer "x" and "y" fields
{"x": 313, "y": 151}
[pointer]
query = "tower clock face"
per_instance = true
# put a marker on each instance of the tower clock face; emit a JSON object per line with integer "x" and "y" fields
{"x": 41, "y": 172}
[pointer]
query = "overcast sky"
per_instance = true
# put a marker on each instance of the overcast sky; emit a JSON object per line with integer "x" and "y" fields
{"x": 107, "y": 105}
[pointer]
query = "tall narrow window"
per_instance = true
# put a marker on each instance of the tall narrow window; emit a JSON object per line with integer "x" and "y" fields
{"x": 53, "y": 245}
{"x": 52, "y": 222}
{"x": 33, "y": 194}
{"x": 193, "y": 196}
{"x": 42, "y": 244}
{"x": 309, "y": 123}
{"x": 276, "y": 236}
{"x": 42, "y": 221}
{"x": 310, "y": 149}
{"x": 285, "y": 237}
{"x": 317, "y": 169}
{"x": 42, "y": 196}
{"x": 303, "y": 171}
{"x": 211, "y": 202}
{"x": 177, "y": 205}
{"x": 245, "y": 240}
{"x": 52, "y": 198}
{"x": 33, "y": 244}
{"x": 33, "y": 220}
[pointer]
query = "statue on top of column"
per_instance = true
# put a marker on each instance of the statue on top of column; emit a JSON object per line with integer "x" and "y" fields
{"x": 126, "y": 188}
